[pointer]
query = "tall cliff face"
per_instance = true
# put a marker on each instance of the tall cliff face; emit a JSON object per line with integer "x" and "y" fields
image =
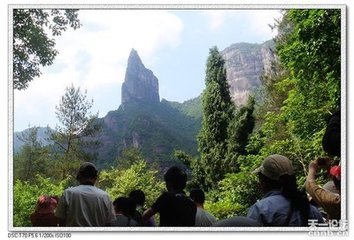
{"x": 140, "y": 84}
{"x": 245, "y": 63}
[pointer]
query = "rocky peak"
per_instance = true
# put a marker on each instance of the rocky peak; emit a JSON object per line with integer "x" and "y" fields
{"x": 140, "y": 83}
{"x": 245, "y": 63}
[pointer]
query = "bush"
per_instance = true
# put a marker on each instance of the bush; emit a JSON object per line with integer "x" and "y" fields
{"x": 121, "y": 182}
{"x": 25, "y": 197}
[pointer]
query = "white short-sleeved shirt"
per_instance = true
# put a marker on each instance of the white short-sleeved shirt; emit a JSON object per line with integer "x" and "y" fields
{"x": 85, "y": 205}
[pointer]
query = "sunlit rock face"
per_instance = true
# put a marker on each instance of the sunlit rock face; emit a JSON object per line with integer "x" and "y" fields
{"x": 245, "y": 63}
{"x": 140, "y": 83}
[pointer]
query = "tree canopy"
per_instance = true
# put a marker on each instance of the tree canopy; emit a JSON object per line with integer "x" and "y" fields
{"x": 217, "y": 113}
{"x": 77, "y": 124}
{"x": 32, "y": 45}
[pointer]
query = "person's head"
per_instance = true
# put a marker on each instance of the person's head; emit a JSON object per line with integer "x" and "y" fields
{"x": 125, "y": 206}
{"x": 197, "y": 195}
{"x": 331, "y": 138}
{"x": 276, "y": 172}
{"x": 138, "y": 196}
{"x": 87, "y": 173}
{"x": 272, "y": 169}
{"x": 175, "y": 179}
{"x": 46, "y": 204}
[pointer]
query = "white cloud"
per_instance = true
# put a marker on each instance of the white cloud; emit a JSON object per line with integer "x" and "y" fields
{"x": 256, "y": 20}
{"x": 216, "y": 18}
{"x": 261, "y": 20}
{"x": 94, "y": 57}
{"x": 118, "y": 32}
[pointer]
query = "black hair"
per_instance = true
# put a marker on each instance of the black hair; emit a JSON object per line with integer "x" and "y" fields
{"x": 336, "y": 183}
{"x": 197, "y": 195}
{"x": 176, "y": 178}
{"x": 125, "y": 205}
{"x": 268, "y": 184}
{"x": 288, "y": 186}
{"x": 331, "y": 138}
{"x": 138, "y": 196}
{"x": 87, "y": 170}
{"x": 298, "y": 199}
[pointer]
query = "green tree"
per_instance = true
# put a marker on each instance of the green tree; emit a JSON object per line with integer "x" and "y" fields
{"x": 193, "y": 163}
{"x": 240, "y": 128}
{"x": 129, "y": 157}
{"x": 302, "y": 90}
{"x": 72, "y": 137}
{"x": 312, "y": 54}
{"x": 217, "y": 113}
{"x": 33, "y": 157}
{"x": 32, "y": 47}
{"x": 120, "y": 182}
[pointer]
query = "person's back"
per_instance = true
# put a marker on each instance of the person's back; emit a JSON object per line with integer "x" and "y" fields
{"x": 275, "y": 210}
{"x": 85, "y": 205}
{"x": 237, "y": 221}
{"x": 139, "y": 198}
{"x": 124, "y": 210}
{"x": 123, "y": 221}
{"x": 174, "y": 207}
{"x": 283, "y": 204}
{"x": 202, "y": 218}
{"x": 329, "y": 201}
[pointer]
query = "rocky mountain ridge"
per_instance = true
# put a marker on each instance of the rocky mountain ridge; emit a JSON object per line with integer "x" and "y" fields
{"x": 157, "y": 128}
{"x": 140, "y": 83}
{"x": 245, "y": 63}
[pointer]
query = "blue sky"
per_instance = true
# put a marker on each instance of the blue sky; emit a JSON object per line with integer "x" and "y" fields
{"x": 173, "y": 44}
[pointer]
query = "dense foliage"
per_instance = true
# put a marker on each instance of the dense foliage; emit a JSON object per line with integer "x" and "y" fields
{"x": 217, "y": 113}
{"x": 299, "y": 94}
{"x": 32, "y": 47}
{"x": 26, "y": 193}
{"x": 120, "y": 182}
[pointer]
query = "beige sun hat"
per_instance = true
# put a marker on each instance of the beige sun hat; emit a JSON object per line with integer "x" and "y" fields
{"x": 275, "y": 166}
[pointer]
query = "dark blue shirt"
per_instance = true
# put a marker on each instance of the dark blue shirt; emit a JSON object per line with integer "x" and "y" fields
{"x": 273, "y": 210}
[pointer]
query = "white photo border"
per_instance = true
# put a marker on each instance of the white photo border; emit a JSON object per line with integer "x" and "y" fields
{"x": 344, "y": 204}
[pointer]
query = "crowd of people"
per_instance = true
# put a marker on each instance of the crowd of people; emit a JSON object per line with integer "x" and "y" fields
{"x": 282, "y": 204}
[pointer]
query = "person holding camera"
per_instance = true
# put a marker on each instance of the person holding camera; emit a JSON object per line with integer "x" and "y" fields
{"x": 331, "y": 143}
{"x": 329, "y": 201}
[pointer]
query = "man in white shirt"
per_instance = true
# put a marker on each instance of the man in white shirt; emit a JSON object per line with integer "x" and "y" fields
{"x": 85, "y": 205}
{"x": 202, "y": 218}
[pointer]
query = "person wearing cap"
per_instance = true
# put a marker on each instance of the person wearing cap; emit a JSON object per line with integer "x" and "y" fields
{"x": 331, "y": 144}
{"x": 282, "y": 204}
{"x": 85, "y": 205}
